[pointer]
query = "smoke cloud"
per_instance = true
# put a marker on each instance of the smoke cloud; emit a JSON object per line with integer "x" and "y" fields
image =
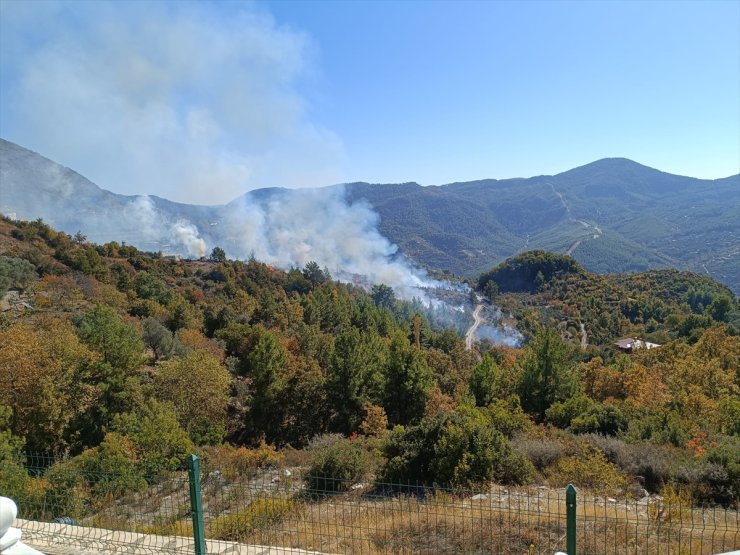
{"x": 182, "y": 101}
{"x": 155, "y": 228}
{"x": 289, "y": 228}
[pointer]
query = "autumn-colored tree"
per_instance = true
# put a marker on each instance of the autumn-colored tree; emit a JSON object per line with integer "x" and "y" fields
{"x": 374, "y": 422}
{"x": 196, "y": 341}
{"x": 198, "y": 387}
{"x": 160, "y": 443}
{"x": 41, "y": 377}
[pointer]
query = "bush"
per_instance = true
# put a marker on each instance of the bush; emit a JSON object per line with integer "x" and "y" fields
{"x": 541, "y": 453}
{"x": 336, "y": 463}
{"x": 590, "y": 470}
{"x": 15, "y": 272}
{"x": 160, "y": 442}
{"x": 110, "y": 469}
{"x": 234, "y": 462}
{"x": 14, "y": 479}
{"x": 64, "y": 494}
{"x": 261, "y": 513}
{"x": 650, "y": 464}
{"x": 582, "y": 415}
{"x": 459, "y": 449}
{"x": 721, "y": 472}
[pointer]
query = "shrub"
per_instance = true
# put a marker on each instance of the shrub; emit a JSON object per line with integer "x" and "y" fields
{"x": 162, "y": 445}
{"x": 650, "y": 464}
{"x": 263, "y": 512}
{"x": 583, "y": 415}
{"x": 541, "y": 453}
{"x": 110, "y": 469}
{"x": 14, "y": 479}
{"x": 234, "y": 462}
{"x": 507, "y": 416}
{"x": 721, "y": 472}
{"x": 167, "y": 527}
{"x": 336, "y": 463}
{"x": 64, "y": 494}
{"x": 462, "y": 448}
{"x": 590, "y": 470}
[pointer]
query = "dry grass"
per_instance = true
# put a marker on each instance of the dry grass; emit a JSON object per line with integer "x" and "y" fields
{"x": 521, "y": 522}
{"x": 364, "y": 521}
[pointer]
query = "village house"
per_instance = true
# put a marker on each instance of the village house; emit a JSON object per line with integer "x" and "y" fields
{"x": 631, "y": 344}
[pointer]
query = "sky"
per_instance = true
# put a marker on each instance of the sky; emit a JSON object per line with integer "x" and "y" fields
{"x": 201, "y": 101}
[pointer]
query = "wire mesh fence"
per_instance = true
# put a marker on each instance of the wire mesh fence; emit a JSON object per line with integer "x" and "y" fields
{"x": 288, "y": 508}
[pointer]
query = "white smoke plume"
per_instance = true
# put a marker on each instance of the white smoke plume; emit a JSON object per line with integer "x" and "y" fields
{"x": 155, "y": 227}
{"x": 186, "y": 101}
{"x": 291, "y": 228}
{"x": 187, "y": 235}
{"x": 497, "y": 330}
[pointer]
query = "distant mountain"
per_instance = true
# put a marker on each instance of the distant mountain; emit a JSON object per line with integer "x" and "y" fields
{"x": 32, "y": 186}
{"x": 613, "y": 215}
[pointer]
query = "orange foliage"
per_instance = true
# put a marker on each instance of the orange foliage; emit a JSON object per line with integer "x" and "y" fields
{"x": 195, "y": 340}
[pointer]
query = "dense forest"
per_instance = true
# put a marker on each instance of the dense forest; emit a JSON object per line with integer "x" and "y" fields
{"x": 118, "y": 361}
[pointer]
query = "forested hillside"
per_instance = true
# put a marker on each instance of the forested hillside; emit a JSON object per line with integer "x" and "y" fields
{"x": 613, "y": 215}
{"x": 119, "y": 360}
{"x": 551, "y": 290}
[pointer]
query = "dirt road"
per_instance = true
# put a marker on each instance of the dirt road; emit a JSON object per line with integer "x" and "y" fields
{"x": 584, "y": 337}
{"x": 470, "y": 334}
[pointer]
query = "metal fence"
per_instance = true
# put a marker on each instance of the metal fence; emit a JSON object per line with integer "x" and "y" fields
{"x": 214, "y": 510}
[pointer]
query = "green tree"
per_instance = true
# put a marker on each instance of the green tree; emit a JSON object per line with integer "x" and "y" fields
{"x": 313, "y": 273}
{"x": 484, "y": 380}
{"x": 720, "y": 308}
{"x": 162, "y": 445}
{"x": 546, "y": 376}
{"x": 112, "y": 468}
{"x": 383, "y": 296}
{"x": 408, "y": 382}
{"x": 267, "y": 364}
{"x": 149, "y": 286}
{"x": 218, "y": 255}
{"x": 116, "y": 377}
{"x": 15, "y": 272}
{"x": 491, "y": 290}
{"x": 160, "y": 340}
{"x": 118, "y": 341}
{"x": 355, "y": 377}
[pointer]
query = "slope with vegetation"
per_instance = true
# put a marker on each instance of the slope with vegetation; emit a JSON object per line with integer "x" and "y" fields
{"x": 612, "y": 215}
{"x": 128, "y": 361}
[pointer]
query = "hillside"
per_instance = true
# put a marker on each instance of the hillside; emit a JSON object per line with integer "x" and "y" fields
{"x": 613, "y": 215}
{"x": 551, "y": 290}
{"x": 115, "y": 364}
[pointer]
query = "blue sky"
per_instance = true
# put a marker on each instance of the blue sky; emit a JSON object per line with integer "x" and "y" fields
{"x": 198, "y": 101}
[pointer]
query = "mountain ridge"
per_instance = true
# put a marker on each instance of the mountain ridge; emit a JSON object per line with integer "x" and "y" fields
{"x": 613, "y": 214}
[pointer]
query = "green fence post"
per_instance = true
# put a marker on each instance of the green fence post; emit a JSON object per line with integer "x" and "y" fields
{"x": 570, "y": 511}
{"x": 196, "y": 504}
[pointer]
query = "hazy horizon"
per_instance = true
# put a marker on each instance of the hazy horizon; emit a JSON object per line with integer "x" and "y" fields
{"x": 200, "y": 102}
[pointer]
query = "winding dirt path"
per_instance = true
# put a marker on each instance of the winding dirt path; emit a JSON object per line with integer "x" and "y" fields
{"x": 470, "y": 334}
{"x": 584, "y": 337}
{"x": 573, "y": 247}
